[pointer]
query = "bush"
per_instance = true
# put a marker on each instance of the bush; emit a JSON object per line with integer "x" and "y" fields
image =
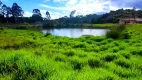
{"x": 115, "y": 32}
{"x": 126, "y": 35}
{"x": 112, "y": 34}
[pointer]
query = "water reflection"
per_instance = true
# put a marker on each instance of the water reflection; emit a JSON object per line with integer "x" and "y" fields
{"x": 76, "y": 32}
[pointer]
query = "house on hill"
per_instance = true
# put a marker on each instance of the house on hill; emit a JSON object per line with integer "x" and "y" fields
{"x": 130, "y": 20}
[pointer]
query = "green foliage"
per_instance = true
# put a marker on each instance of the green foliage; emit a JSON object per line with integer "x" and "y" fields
{"x": 30, "y": 55}
{"x": 117, "y": 32}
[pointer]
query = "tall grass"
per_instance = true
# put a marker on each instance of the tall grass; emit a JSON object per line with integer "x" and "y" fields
{"x": 31, "y": 55}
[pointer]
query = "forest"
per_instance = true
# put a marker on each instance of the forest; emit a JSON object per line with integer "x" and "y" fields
{"x": 15, "y": 13}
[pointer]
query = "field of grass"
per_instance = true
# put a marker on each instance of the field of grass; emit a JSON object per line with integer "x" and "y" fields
{"x": 31, "y": 55}
{"x": 106, "y": 25}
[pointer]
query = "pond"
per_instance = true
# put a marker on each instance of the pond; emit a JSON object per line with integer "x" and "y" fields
{"x": 74, "y": 33}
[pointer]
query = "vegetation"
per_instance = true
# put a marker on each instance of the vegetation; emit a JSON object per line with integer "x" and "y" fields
{"x": 111, "y": 17}
{"x": 31, "y": 55}
{"x": 118, "y": 32}
{"x": 14, "y": 14}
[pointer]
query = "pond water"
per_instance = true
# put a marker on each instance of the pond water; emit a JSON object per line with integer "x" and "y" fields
{"x": 74, "y": 33}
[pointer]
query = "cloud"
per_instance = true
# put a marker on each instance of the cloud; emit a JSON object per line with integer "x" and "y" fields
{"x": 127, "y": 3}
{"x": 84, "y": 7}
{"x": 51, "y": 7}
{"x": 27, "y": 14}
{"x": 56, "y": 15}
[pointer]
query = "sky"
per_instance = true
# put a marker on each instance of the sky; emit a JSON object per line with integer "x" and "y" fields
{"x": 61, "y": 8}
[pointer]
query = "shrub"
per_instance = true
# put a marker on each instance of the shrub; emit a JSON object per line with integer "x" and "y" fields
{"x": 112, "y": 34}
{"x": 115, "y": 32}
{"x": 126, "y": 35}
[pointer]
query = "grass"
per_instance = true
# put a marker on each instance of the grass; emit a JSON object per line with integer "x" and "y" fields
{"x": 106, "y": 25}
{"x": 86, "y": 26}
{"x": 31, "y": 55}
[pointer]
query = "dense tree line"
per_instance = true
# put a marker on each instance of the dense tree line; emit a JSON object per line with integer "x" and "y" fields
{"x": 15, "y": 14}
{"x": 111, "y": 17}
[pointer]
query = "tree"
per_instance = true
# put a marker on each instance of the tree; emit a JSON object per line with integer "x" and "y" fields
{"x": 48, "y": 17}
{"x": 72, "y": 13}
{"x": 1, "y": 3}
{"x": 1, "y": 7}
{"x": 16, "y": 10}
{"x": 8, "y": 12}
{"x": 36, "y": 12}
{"x": 36, "y": 17}
{"x": 4, "y": 10}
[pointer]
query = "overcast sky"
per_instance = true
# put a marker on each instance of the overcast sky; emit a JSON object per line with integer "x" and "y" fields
{"x": 60, "y": 8}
